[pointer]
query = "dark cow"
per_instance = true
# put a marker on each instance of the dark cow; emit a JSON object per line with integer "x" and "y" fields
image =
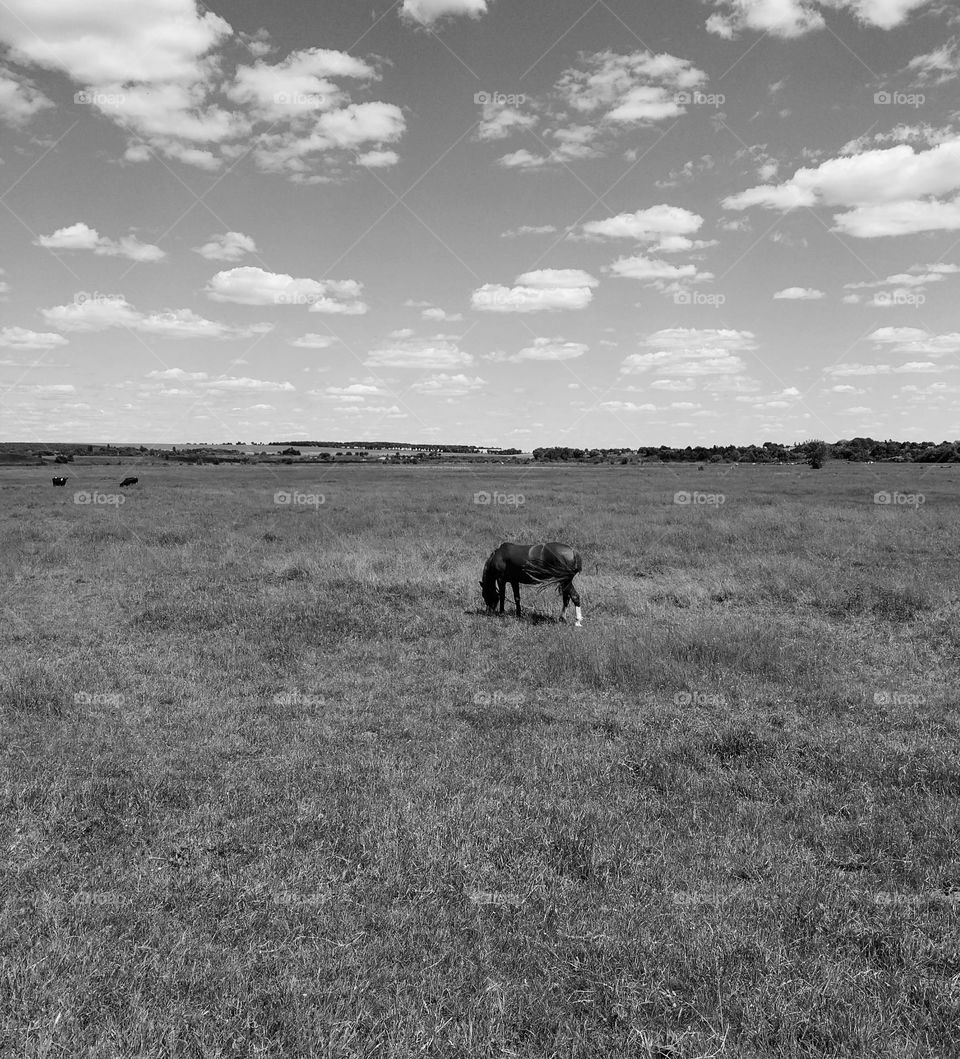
{"x": 59, "y": 481}
{"x": 129, "y": 481}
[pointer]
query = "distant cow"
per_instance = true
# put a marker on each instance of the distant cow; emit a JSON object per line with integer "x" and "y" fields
{"x": 59, "y": 481}
{"x": 129, "y": 481}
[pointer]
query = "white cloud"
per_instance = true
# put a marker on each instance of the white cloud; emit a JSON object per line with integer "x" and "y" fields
{"x": 249, "y": 285}
{"x": 657, "y": 273}
{"x": 427, "y": 12}
{"x": 529, "y": 229}
{"x": 440, "y": 315}
{"x": 21, "y": 338}
{"x": 937, "y": 66}
{"x": 80, "y": 236}
{"x": 178, "y": 374}
{"x": 594, "y": 104}
{"x": 313, "y": 341}
{"x": 542, "y": 290}
{"x": 793, "y": 18}
{"x": 161, "y": 70}
{"x": 245, "y": 384}
{"x": 443, "y": 385}
{"x": 437, "y": 354}
{"x": 626, "y": 406}
{"x": 99, "y": 314}
{"x": 889, "y": 191}
{"x": 230, "y": 246}
{"x": 20, "y": 99}
{"x": 690, "y": 352}
{"x": 803, "y": 294}
{"x": 652, "y": 225}
{"x": 544, "y": 349}
{"x": 501, "y": 120}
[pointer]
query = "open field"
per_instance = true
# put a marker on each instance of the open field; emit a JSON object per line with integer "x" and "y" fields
{"x": 275, "y": 786}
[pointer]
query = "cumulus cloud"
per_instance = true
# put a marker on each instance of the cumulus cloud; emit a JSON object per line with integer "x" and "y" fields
{"x": 100, "y": 314}
{"x": 438, "y": 354}
{"x": 937, "y": 66}
{"x": 793, "y": 18}
{"x": 594, "y": 104}
{"x": 428, "y": 12}
{"x": 668, "y": 228}
{"x": 161, "y": 70}
{"x": 689, "y": 352}
{"x": 80, "y": 236}
{"x": 800, "y": 294}
{"x": 543, "y": 349}
{"x": 443, "y": 385}
{"x": 247, "y": 385}
{"x": 22, "y": 338}
{"x": 892, "y": 191}
{"x": 313, "y": 341}
{"x": 657, "y": 273}
{"x": 20, "y": 99}
{"x": 248, "y": 285}
{"x": 230, "y": 246}
{"x": 542, "y": 290}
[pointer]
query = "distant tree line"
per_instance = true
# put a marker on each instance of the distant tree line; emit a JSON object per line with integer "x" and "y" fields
{"x": 858, "y": 450}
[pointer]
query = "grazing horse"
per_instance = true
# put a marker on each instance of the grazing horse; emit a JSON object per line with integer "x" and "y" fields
{"x": 531, "y": 564}
{"x": 59, "y": 481}
{"x": 129, "y": 481}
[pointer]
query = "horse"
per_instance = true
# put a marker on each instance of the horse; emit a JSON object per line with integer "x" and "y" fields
{"x": 59, "y": 481}
{"x": 129, "y": 481}
{"x": 531, "y": 564}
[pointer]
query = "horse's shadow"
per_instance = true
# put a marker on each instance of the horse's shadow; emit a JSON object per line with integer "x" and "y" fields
{"x": 527, "y": 617}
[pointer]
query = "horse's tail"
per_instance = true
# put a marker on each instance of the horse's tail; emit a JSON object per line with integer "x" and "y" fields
{"x": 550, "y": 568}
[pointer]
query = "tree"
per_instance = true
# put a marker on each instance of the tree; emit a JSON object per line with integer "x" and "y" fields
{"x": 816, "y": 453}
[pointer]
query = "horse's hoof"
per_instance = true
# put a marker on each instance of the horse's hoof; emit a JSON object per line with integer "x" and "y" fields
{"x": 578, "y": 625}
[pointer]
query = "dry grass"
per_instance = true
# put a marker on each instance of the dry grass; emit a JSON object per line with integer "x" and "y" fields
{"x": 274, "y": 786}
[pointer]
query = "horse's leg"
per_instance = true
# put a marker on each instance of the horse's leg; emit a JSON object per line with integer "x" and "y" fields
{"x": 516, "y": 595}
{"x": 566, "y": 603}
{"x": 575, "y": 596}
{"x": 502, "y": 589}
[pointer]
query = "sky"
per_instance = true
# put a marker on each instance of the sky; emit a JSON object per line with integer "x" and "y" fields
{"x": 617, "y": 223}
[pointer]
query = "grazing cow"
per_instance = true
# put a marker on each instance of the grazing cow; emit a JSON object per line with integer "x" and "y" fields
{"x": 59, "y": 481}
{"x": 129, "y": 481}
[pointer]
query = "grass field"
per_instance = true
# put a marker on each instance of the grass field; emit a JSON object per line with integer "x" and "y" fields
{"x": 275, "y": 786}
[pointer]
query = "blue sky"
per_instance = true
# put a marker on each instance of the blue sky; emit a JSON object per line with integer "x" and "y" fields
{"x": 620, "y": 223}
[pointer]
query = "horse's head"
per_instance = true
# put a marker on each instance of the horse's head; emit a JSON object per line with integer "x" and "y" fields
{"x": 488, "y": 589}
{"x": 488, "y": 585}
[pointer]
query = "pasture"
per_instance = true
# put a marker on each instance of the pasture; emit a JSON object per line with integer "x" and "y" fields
{"x": 275, "y": 786}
